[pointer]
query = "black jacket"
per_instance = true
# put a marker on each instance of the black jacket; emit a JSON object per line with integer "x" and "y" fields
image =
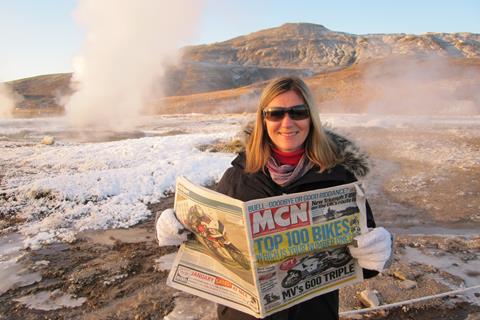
{"x": 240, "y": 185}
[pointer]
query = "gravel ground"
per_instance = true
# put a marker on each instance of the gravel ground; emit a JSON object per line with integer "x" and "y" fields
{"x": 118, "y": 273}
{"x": 425, "y": 187}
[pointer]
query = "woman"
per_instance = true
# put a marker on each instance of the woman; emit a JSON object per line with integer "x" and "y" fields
{"x": 288, "y": 152}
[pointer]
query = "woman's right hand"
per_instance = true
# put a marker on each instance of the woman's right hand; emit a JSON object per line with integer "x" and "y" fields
{"x": 374, "y": 249}
{"x": 170, "y": 232}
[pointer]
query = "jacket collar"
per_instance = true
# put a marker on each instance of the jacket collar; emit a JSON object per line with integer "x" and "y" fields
{"x": 337, "y": 173}
{"x": 355, "y": 161}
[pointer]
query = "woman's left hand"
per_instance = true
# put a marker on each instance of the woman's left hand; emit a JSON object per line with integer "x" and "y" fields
{"x": 373, "y": 249}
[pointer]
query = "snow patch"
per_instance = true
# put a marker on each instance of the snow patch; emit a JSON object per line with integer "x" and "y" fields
{"x": 192, "y": 308}
{"x": 50, "y": 300}
{"x": 447, "y": 262}
{"x": 165, "y": 262}
{"x": 12, "y": 272}
{"x": 103, "y": 185}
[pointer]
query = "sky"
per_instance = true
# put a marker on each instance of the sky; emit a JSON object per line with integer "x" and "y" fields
{"x": 42, "y": 37}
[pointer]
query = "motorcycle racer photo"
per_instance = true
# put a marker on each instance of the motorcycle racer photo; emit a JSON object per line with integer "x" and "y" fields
{"x": 213, "y": 234}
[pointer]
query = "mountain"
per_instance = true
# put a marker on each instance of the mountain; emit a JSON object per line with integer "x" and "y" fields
{"x": 303, "y": 49}
{"x": 314, "y": 47}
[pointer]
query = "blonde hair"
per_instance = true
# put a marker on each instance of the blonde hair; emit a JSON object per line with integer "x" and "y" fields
{"x": 319, "y": 148}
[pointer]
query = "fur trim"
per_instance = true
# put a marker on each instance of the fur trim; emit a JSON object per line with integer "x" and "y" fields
{"x": 354, "y": 160}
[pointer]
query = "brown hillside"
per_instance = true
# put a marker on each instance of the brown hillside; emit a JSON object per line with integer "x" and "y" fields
{"x": 348, "y": 72}
{"x": 41, "y": 94}
{"x": 356, "y": 88}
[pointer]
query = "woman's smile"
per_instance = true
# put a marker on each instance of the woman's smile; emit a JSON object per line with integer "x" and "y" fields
{"x": 287, "y": 135}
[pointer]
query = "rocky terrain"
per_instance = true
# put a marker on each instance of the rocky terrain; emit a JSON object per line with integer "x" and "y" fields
{"x": 312, "y": 51}
{"x": 424, "y": 187}
{"x": 314, "y": 47}
{"x": 119, "y": 274}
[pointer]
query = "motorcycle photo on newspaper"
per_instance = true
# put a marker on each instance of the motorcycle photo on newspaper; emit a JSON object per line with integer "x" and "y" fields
{"x": 270, "y": 297}
{"x": 212, "y": 234}
{"x": 314, "y": 264}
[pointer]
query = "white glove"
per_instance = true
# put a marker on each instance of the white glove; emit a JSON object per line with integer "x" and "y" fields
{"x": 170, "y": 232}
{"x": 373, "y": 250}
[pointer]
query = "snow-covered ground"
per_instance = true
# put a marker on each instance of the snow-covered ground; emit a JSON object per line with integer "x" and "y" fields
{"x": 60, "y": 189}
{"x": 423, "y": 166}
{"x": 56, "y": 190}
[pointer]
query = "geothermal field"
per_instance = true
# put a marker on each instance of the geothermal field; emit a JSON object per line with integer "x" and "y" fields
{"x": 76, "y": 212}
{"x": 93, "y": 137}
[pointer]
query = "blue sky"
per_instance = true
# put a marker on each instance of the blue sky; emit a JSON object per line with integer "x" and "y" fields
{"x": 41, "y": 36}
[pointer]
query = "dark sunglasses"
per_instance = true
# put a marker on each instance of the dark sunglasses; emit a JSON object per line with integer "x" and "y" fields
{"x": 299, "y": 112}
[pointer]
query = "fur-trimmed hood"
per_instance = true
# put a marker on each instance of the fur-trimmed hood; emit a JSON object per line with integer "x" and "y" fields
{"x": 354, "y": 160}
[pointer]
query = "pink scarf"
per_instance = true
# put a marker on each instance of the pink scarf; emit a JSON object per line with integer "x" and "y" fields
{"x": 284, "y": 175}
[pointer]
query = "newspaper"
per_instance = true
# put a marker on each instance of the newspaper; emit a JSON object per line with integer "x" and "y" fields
{"x": 266, "y": 255}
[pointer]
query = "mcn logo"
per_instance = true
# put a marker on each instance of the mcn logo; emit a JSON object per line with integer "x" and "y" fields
{"x": 278, "y": 219}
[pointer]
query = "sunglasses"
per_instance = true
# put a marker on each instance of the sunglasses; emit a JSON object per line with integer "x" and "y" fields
{"x": 299, "y": 112}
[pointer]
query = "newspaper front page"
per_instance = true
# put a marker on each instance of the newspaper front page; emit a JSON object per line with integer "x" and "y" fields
{"x": 266, "y": 255}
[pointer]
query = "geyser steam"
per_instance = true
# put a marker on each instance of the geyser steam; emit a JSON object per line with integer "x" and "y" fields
{"x": 7, "y": 101}
{"x": 127, "y": 44}
{"x": 428, "y": 86}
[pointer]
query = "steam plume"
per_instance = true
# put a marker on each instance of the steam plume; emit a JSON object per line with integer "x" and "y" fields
{"x": 7, "y": 101}
{"x": 127, "y": 45}
{"x": 427, "y": 86}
